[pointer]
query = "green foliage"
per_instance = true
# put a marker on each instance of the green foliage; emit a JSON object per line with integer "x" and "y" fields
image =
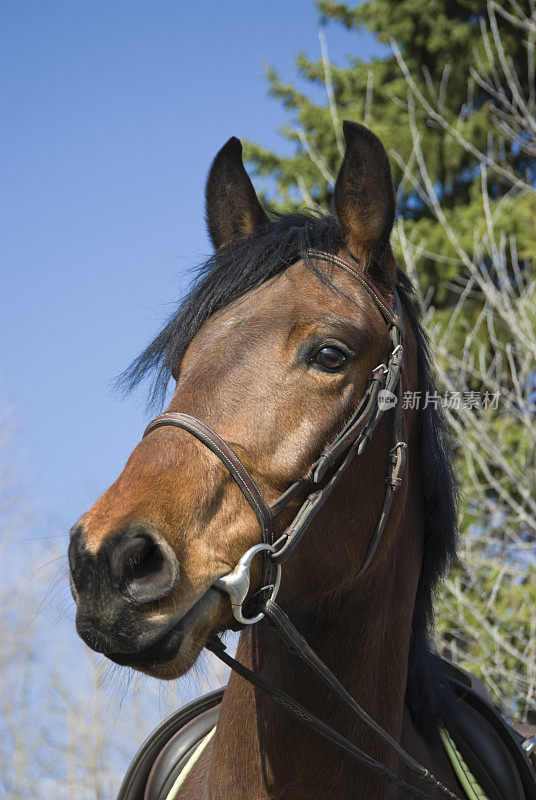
{"x": 513, "y": 213}
{"x": 486, "y": 621}
{"x": 440, "y": 41}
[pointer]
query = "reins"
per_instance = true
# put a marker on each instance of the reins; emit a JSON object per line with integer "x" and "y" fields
{"x": 317, "y": 485}
{"x": 274, "y": 614}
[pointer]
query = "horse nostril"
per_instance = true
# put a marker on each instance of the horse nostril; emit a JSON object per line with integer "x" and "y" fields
{"x": 142, "y": 567}
{"x": 136, "y": 557}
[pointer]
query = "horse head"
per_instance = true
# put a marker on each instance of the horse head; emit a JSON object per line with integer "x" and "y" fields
{"x": 273, "y": 350}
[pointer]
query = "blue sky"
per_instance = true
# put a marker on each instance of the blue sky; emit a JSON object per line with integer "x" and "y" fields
{"x": 111, "y": 115}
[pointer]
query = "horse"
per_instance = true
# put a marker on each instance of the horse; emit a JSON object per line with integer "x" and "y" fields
{"x": 280, "y": 354}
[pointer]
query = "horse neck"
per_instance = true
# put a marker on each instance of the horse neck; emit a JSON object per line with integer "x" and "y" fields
{"x": 261, "y": 751}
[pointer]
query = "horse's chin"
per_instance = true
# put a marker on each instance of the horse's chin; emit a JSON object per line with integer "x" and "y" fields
{"x": 179, "y": 648}
{"x": 178, "y": 666}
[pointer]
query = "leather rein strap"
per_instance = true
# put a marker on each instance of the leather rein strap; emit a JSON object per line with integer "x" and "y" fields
{"x": 318, "y": 484}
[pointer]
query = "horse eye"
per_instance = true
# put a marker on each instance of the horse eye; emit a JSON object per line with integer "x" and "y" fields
{"x": 330, "y": 358}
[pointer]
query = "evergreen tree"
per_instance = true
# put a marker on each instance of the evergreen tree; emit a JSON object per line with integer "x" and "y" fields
{"x": 440, "y": 41}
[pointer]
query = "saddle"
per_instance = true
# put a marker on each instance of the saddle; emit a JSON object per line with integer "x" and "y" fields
{"x": 488, "y": 750}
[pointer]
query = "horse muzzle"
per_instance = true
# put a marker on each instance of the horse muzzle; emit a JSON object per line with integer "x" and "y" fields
{"x": 116, "y": 589}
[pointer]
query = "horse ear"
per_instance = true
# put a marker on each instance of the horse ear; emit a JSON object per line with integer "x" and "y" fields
{"x": 232, "y": 207}
{"x": 365, "y": 201}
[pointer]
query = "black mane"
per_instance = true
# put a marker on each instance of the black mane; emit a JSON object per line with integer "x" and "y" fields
{"x": 248, "y": 263}
{"x": 426, "y": 692}
{"x": 229, "y": 273}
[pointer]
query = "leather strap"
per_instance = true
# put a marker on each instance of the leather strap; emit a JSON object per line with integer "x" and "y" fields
{"x": 228, "y": 457}
{"x": 383, "y": 306}
{"x": 355, "y": 426}
{"x": 237, "y": 470}
{"x": 298, "y": 644}
{"x": 353, "y": 439}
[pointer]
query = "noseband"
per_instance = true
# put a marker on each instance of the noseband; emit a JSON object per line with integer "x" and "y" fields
{"x": 316, "y": 486}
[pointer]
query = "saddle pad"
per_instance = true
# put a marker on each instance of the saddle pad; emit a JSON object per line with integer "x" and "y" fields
{"x": 490, "y": 747}
{"x": 178, "y": 757}
{"x": 467, "y": 780}
{"x": 134, "y": 783}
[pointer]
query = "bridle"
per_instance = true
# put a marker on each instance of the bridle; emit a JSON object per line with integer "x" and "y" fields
{"x": 384, "y": 389}
{"x": 326, "y": 471}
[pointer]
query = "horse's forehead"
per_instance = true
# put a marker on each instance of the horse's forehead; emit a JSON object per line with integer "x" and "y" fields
{"x": 291, "y": 301}
{"x": 288, "y": 296}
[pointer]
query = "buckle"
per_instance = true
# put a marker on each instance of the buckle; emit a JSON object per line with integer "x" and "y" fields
{"x": 397, "y": 447}
{"x": 397, "y": 356}
{"x": 383, "y": 368}
{"x": 237, "y": 583}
